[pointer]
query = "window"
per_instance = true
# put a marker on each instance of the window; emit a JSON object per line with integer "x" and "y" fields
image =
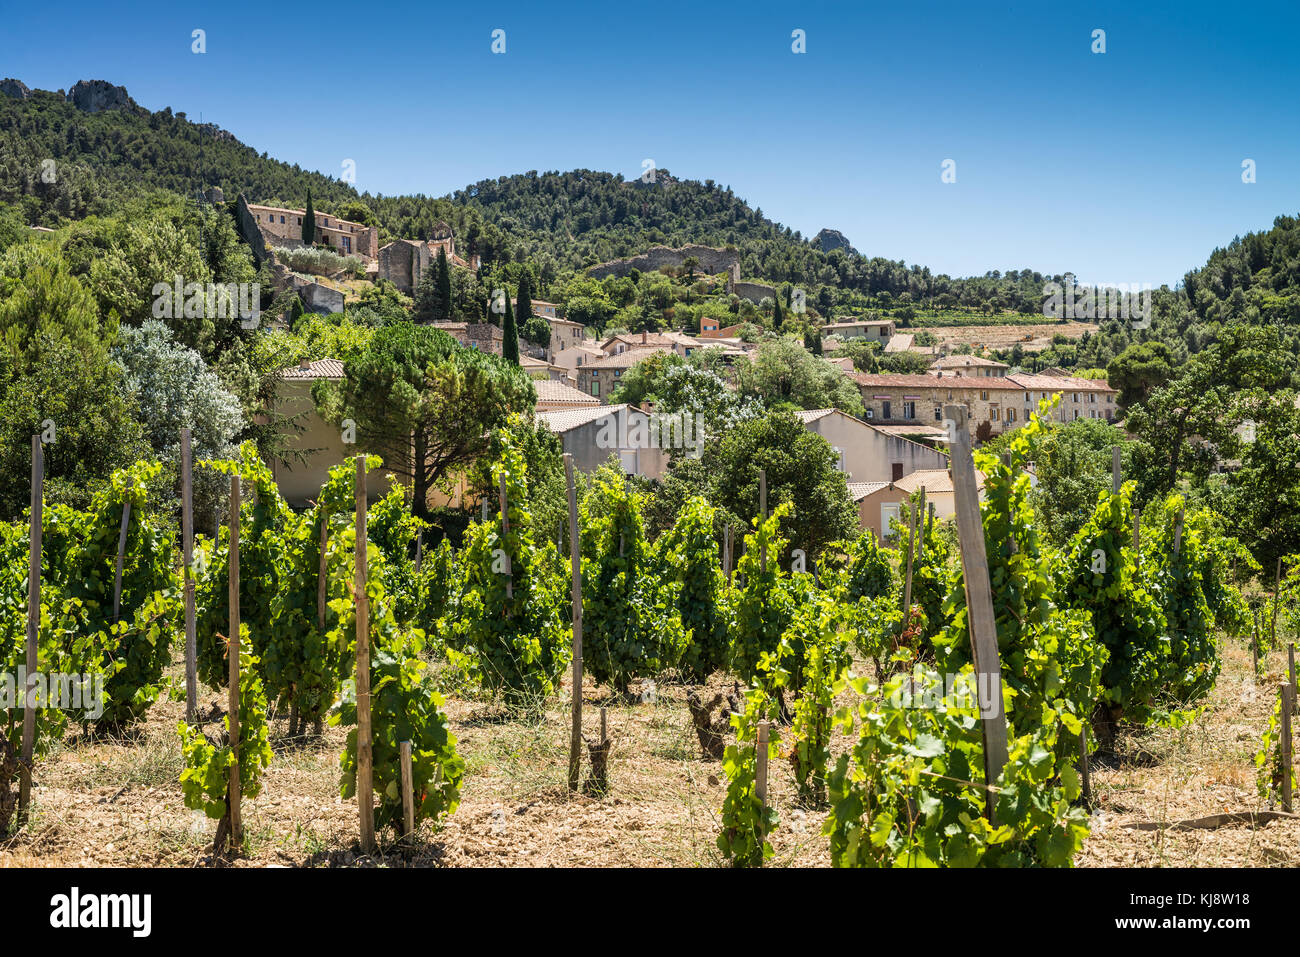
{"x": 938, "y": 414}
{"x": 617, "y": 373}
{"x": 909, "y": 410}
{"x": 993, "y": 413}
{"x": 282, "y": 219}
{"x": 896, "y": 470}
{"x": 627, "y": 458}
{"x": 984, "y": 395}
{"x": 299, "y": 220}
{"x": 595, "y": 388}
{"x": 1011, "y": 416}
{"x": 888, "y": 516}
{"x": 884, "y": 410}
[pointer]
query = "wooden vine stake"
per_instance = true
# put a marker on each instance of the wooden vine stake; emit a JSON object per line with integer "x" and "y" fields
{"x": 233, "y": 789}
{"x": 187, "y": 547}
{"x": 911, "y": 550}
{"x": 1290, "y": 669}
{"x": 979, "y": 601}
{"x": 1277, "y": 590}
{"x": 365, "y": 755}
{"x": 505, "y": 530}
{"x": 920, "y": 527}
{"x": 1115, "y": 476}
{"x": 1084, "y": 767}
{"x": 760, "y": 770}
{"x": 1288, "y": 702}
{"x": 33, "y": 626}
{"x": 762, "y": 511}
{"x": 575, "y": 558}
{"x": 1254, "y": 643}
{"x": 1178, "y": 533}
{"x": 121, "y": 553}
{"x": 408, "y": 790}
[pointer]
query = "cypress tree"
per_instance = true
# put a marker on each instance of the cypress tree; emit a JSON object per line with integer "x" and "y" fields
{"x": 309, "y": 223}
{"x": 525, "y": 297}
{"x": 777, "y": 317}
{"x": 510, "y": 337}
{"x": 442, "y": 298}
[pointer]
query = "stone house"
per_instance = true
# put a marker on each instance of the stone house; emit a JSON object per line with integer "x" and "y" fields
{"x": 599, "y": 377}
{"x": 475, "y": 335}
{"x": 897, "y": 399}
{"x": 592, "y": 435}
{"x": 973, "y": 366}
{"x": 869, "y": 454}
{"x": 565, "y": 334}
{"x": 282, "y": 225}
{"x": 870, "y": 330}
{"x": 574, "y": 357}
{"x": 403, "y": 261}
{"x": 1080, "y": 398}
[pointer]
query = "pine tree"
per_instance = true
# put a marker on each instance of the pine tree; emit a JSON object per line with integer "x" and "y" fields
{"x": 510, "y": 336}
{"x": 442, "y": 298}
{"x": 309, "y": 223}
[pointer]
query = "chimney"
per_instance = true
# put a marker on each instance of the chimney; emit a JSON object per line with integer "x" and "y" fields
{"x": 644, "y": 337}
{"x": 304, "y": 363}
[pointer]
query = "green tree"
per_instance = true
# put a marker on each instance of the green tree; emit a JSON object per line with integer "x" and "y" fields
{"x": 509, "y": 335}
{"x": 423, "y": 403}
{"x": 309, "y": 222}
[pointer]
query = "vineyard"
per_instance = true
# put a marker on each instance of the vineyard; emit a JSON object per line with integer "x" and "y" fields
{"x": 347, "y": 684}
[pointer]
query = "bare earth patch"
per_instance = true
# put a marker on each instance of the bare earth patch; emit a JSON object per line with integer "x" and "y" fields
{"x": 118, "y": 802}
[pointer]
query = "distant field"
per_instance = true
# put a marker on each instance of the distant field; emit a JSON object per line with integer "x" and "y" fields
{"x": 1032, "y": 337}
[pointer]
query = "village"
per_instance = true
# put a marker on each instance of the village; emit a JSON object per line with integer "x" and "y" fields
{"x": 896, "y": 449}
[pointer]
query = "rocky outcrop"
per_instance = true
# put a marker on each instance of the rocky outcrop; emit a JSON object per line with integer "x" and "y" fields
{"x": 829, "y": 239}
{"x": 95, "y": 96}
{"x": 15, "y": 88}
{"x": 711, "y": 261}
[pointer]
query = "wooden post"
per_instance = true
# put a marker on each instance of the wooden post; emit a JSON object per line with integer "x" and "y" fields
{"x": 604, "y": 733}
{"x": 121, "y": 553}
{"x": 1178, "y": 533}
{"x": 187, "y": 547}
{"x": 1290, "y": 668}
{"x": 232, "y": 656}
{"x": 505, "y": 530}
{"x": 1137, "y": 536}
{"x": 37, "y": 522}
{"x": 911, "y": 547}
{"x": 1288, "y": 704}
{"x": 920, "y": 527}
{"x": 575, "y": 559}
{"x": 419, "y": 550}
{"x": 408, "y": 791}
{"x": 760, "y": 763}
{"x": 1115, "y": 477}
{"x": 726, "y": 551}
{"x": 929, "y": 520}
{"x": 320, "y": 574}
{"x": 979, "y": 602}
{"x": 762, "y": 512}
{"x": 365, "y": 755}
{"x": 1254, "y": 643}
{"x": 1084, "y": 767}
{"x": 1277, "y": 590}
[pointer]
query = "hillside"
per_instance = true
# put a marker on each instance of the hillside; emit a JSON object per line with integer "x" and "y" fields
{"x": 571, "y": 219}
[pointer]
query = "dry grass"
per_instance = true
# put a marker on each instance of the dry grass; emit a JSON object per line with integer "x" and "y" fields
{"x": 118, "y": 802}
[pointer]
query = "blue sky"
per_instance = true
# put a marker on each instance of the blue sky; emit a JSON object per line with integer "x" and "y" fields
{"x": 1123, "y": 166}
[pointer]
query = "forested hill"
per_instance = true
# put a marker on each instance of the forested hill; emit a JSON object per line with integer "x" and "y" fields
{"x": 572, "y": 219}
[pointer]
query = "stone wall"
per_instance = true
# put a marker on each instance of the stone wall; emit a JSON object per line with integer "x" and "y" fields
{"x": 753, "y": 291}
{"x": 712, "y": 261}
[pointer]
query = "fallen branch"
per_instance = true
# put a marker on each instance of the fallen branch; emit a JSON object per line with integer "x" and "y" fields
{"x": 1255, "y": 818}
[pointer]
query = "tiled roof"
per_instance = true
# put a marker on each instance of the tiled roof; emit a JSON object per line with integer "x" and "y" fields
{"x": 624, "y": 360}
{"x": 812, "y": 415}
{"x": 569, "y": 419}
{"x": 854, "y": 323}
{"x": 320, "y": 369}
{"x": 552, "y": 392}
{"x": 958, "y": 362}
{"x": 860, "y": 490}
{"x": 934, "y": 480}
{"x": 1051, "y": 383}
{"x": 894, "y": 380}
